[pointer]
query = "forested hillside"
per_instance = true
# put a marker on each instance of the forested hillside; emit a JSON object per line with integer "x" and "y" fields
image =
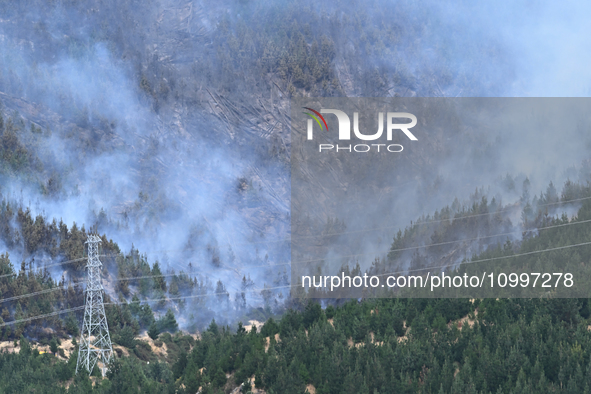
{"x": 166, "y": 125}
{"x": 385, "y": 346}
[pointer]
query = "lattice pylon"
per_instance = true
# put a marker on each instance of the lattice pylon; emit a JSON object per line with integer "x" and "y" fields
{"x": 95, "y": 341}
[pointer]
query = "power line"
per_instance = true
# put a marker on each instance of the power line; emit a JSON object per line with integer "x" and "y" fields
{"x": 315, "y": 236}
{"x": 45, "y": 266}
{"x": 492, "y": 258}
{"x": 391, "y": 273}
{"x": 290, "y": 286}
{"x": 380, "y": 228}
{"x": 302, "y": 237}
{"x": 18, "y": 297}
{"x": 444, "y": 243}
{"x": 42, "y": 316}
{"x": 297, "y": 262}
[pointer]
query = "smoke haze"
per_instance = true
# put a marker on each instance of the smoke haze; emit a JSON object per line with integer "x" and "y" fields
{"x": 173, "y": 117}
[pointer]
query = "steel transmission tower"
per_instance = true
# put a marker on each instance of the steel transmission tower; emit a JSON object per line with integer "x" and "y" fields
{"x": 95, "y": 341}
